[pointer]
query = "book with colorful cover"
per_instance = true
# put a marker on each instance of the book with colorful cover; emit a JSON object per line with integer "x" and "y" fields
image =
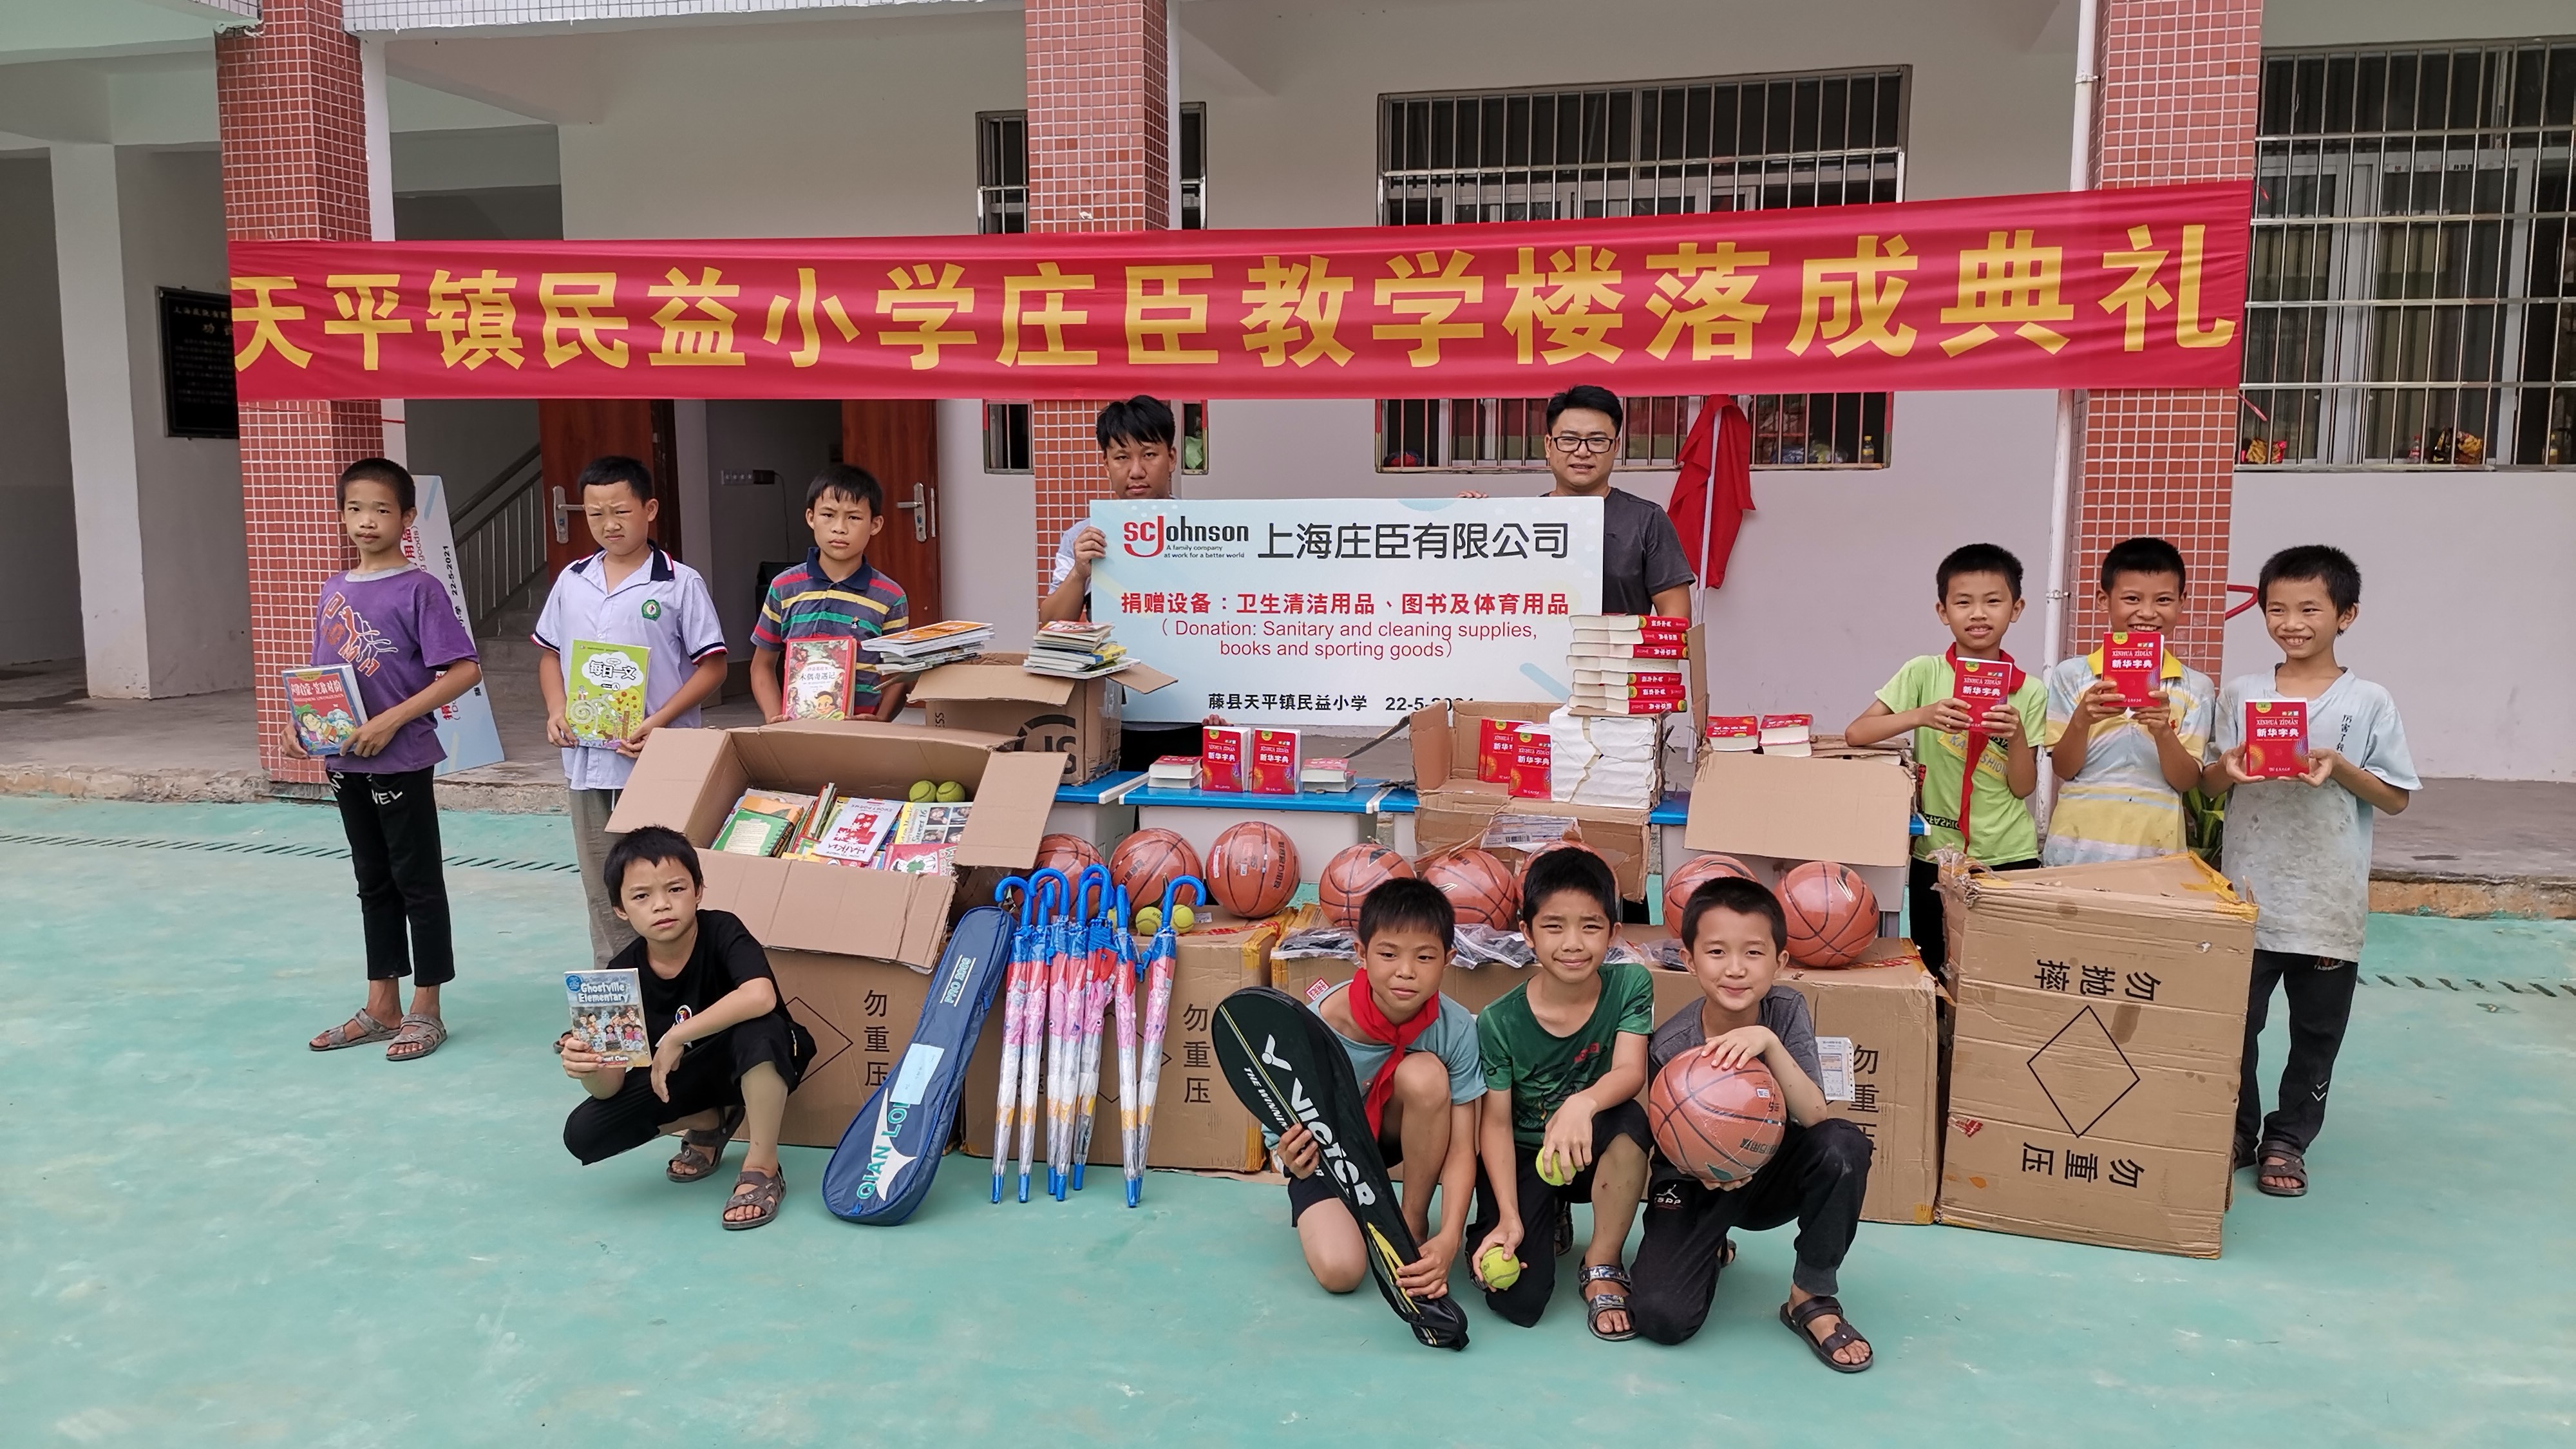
{"x": 1225, "y": 753}
{"x": 2276, "y": 738}
{"x": 1786, "y": 729}
{"x": 323, "y": 701}
{"x": 941, "y": 637}
{"x": 917, "y": 858}
{"x": 817, "y": 674}
{"x": 752, "y": 832}
{"x": 608, "y": 1015}
{"x": 604, "y": 698}
{"x": 2134, "y": 660}
{"x": 859, "y": 829}
{"x": 827, "y": 801}
{"x": 1276, "y": 754}
{"x": 927, "y": 823}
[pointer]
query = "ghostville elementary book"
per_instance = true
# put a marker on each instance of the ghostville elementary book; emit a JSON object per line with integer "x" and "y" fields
{"x": 608, "y": 1015}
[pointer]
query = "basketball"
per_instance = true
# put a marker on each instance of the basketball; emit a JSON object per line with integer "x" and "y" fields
{"x": 1252, "y": 869}
{"x": 1479, "y": 889}
{"x": 1719, "y": 1126}
{"x": 1696, "y": 872}
{"x": 1149, "y": 860}
{"x": 1833, "y": 915}
{"x": 1563, "y": 843}
{"x": 1351, "y": 874}
{"x": 1068, "y": 853}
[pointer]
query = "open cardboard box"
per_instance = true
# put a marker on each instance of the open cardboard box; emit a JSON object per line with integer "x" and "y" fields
{"x": 1077, "y": 718}
{"x": 1453, "y": 807}
{"x": 1776, "y": 811}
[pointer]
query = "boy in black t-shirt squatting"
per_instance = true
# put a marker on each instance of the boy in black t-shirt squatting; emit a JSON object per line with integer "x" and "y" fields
{"x": 725, "y": 1051}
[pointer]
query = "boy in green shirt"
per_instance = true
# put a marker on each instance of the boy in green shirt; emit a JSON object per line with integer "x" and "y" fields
{"x": 1976, "y": 768}
{"x": 1565, "y": 1057}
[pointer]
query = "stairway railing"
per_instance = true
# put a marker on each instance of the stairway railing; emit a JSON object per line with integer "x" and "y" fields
{"x": 501, "y": 539}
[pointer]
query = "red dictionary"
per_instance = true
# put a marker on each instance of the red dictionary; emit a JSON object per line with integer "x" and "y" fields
{"x": 2276, "y": 738}
{"x": 1533, "y": 766}
{"x": 1494, "y": 747}
{"x": 2134, "y": 661}
{"x": 1224, "y": 751}
{"x": 1735, "y": 731}
{"x": 1276, "y": 761}
{"x": 1979, "y": 685}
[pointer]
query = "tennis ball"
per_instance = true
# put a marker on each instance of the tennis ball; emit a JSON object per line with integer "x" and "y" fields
{"x": 1149, "y": 919}
{"x": 1183, "y": 918}
{"x": 950, "y": 792}
{"x": 922, "y": 790}
{"x": 1549, "y": 1168}
{"x": 1501, "y": 1270}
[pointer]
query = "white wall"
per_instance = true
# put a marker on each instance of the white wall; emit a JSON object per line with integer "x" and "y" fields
{"x": 40, "y": 615}
{"x": 763, "y": 523}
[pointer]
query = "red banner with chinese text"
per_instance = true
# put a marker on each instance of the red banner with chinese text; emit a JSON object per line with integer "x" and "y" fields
{"x": 2133, "y": 288}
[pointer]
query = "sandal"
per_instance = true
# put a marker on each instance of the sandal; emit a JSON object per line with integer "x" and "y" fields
{"x": 755, "y": 1189}
{"x": 423, "y": 1034}
{"x": 1843, "y": 1336}
{"x": 702, "y": 1148}
{"x": 340, "y": 1036}
{"x": 1599, "y": 1304}
{"x": 2280, "y": 1159}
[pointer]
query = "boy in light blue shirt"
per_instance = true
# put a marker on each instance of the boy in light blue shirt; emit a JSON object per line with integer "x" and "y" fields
{"x": 2300, "y": 848}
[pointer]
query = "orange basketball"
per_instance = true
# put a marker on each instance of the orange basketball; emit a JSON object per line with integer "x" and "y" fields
{"x": 1718, "y": 1125}
{"x": 1149, "y": 860}
{"x": 1698, "y": 871}
{"x": 1252, "y": 869}
{"x": 1479, "y": 889}
{"x": 1833, "y": 914}
{"x": 1351, "y": 874}
{"x": 1068, "y": 853}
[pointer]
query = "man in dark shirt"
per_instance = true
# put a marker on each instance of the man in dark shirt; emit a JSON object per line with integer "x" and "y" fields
{"x": 725, "y": 1051}
{"x": 1643, "y": 568}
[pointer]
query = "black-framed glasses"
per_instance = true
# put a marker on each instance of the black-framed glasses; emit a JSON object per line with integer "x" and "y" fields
{"x": 1581, "y": 443}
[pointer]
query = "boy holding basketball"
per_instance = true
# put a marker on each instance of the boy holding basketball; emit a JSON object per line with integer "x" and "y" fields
{"x": 1816, "y": 1177}
{"x": 1415, "y": 1052}
{"x": 1564, "y": 1056}
{"x": 1977, "y": 766}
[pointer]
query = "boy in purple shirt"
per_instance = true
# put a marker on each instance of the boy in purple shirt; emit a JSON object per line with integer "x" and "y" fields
{"x": 394, "y": 625}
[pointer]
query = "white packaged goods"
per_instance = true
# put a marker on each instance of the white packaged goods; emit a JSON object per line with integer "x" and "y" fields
{"x": 1596, "y": 760}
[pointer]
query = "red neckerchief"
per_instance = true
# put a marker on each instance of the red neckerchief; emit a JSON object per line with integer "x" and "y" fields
{"x": 1398, "y": 1035}
{"x": 2014, "y": 678}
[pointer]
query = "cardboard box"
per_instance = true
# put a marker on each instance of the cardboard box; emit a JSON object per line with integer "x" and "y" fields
{"x": 862, "y": 1014}
{"x": 2100, "y": 1023}
{"x": 1775, "y": 811}
{"x": 1198, "y": 1123}
{"x": 1077, "y": 718}
{"x": 1890, "y": 1008}
{"x": 1454, "y": 807}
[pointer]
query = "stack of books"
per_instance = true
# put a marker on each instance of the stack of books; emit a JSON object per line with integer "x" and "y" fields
{"x": 1626, "y": 664}
{"x": 1069, "y": 649}
{"x": 929, "y": 646}
{"x": 1323, "y": 774}
{"x": 1173, "y": 772}
{"x": 766, "y": 822}
{"x": 1789, "y": 734}
{"x": 918, "y": 836}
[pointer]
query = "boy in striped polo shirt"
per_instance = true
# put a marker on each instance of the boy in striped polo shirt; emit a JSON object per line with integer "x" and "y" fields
{"x": 2121, "y": 773}
{"x": 834, "y": 594}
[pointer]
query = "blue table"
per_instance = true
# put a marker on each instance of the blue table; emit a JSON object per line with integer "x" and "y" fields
{"x": 1320, "y": 823}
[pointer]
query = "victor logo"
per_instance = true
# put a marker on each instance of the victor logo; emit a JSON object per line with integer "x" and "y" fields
{"x": 1147, "y": 537}
{"x": 883, "y": 1160}
{"x": 1344, "y": 1171}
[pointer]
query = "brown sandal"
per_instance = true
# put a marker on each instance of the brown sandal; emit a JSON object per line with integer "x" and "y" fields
{"x": 755, "y": 1189}
{"x": 702, "y": 1149}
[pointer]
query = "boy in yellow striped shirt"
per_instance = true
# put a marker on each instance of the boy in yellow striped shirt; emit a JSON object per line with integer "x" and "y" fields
{"x": 2121, "y": 773}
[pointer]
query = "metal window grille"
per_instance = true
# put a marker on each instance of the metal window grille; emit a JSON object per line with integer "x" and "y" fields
{"x": 1670, "y": 148}
{"x": 2412, "y": 289}
{"x": 1002, "y": 205}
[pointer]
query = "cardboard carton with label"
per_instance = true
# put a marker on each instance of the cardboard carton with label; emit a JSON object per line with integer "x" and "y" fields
{"x": 1771, "y": 812}
{"x": 1453, "y": 807}
{"x": 1076, "y": 718}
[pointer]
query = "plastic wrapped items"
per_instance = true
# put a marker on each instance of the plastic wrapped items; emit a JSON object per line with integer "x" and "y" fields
{"x": 1474, "y": 946}
{"x": 1605, "y": 760}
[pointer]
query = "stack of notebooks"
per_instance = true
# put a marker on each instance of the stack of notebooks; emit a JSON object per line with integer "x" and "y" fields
{"x": 914, "y": 836}
{"x": 1070, "y": 649}
{"x": 929, "y": 646}
{"x": 1791, "y": 735}
{"x": 1628, "y": 664}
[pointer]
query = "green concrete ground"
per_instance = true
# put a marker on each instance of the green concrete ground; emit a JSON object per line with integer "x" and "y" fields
{"x": 212, "y": 1236}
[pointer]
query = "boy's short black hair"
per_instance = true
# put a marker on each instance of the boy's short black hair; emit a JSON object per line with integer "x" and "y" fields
{"x": 847, "y": 482}
{"x": 1733, "y": 893}
{"x": 1554, "y": 872}
{"x": 1407, "y": 904}
{"x": 1138, "y": 420}
{"x": 1978, "y": 558}
{"x": 650, "y": 845}
{"x": 2324, "y": 563}
{"x": 381, "y": 470}
{"x": 1585, "y": 395}
{"x": 2143, "y": 556}
{"x": 616, "y": 468}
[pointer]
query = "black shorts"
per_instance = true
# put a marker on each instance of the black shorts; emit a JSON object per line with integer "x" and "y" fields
{"x": 1317, "y": 1187}
{"x": 709, "y": 1076}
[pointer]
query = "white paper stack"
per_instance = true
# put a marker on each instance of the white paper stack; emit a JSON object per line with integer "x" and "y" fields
{"x": 1604, "y": 760}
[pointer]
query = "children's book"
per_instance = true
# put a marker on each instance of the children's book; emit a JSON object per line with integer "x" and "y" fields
{"x": 604, "y": 699}
{"x": 323, "y": 700}
{"x": 2134, "y": 659}
{"x": 918, "y": 858}
{"x": 859, "y": 829}
{"x": 817, "y": 674}
{"x": 925, "y": 823}
{"x": 1979, "y": 684}
{"x": 1225, "y": 757}
{"x": 936, "y": 638}
{"x": 2276, "y": 738}
{"x": 1276, "y": 755}
{"x": 826, "y": 801}
{"x": 751, "y": 832}
{"x": 608, "y": 1015}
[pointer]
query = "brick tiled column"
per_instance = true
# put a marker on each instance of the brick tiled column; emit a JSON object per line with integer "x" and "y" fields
{"x": 2178, "y": 91}
{"x": 1099, "y": 160}
{"x": 289, "y": 106}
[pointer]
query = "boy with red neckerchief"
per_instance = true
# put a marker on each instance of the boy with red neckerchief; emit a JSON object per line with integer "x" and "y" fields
{"x": 1414, "y": 1052}
{"x": 1977, "y": 768}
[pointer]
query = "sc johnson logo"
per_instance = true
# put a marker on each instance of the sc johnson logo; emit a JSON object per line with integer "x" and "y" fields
{"x": 1148, "y": 537}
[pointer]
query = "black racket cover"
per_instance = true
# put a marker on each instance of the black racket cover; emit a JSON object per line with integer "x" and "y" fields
{"x": 1286, "y": 1068}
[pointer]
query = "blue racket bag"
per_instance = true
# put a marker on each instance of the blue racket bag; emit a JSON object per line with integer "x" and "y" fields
{"x": 886, "y": 1159}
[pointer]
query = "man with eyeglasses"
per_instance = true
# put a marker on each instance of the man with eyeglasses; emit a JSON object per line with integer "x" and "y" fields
{"x": 1643, "y": 568}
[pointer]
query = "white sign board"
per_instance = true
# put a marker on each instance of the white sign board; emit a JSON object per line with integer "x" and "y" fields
{"x": 1345, "y": 612}
{"x": 465, "y": 728}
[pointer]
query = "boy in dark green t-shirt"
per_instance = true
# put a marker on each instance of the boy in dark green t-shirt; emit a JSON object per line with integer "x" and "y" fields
{"x": 1565, "y": 1056}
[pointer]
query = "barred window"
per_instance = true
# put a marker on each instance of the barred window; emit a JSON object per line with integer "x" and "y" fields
{"x": 1670, "y": 148}
{"x": 1002, "y": 205}
{"x": 2412, "y": 288}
